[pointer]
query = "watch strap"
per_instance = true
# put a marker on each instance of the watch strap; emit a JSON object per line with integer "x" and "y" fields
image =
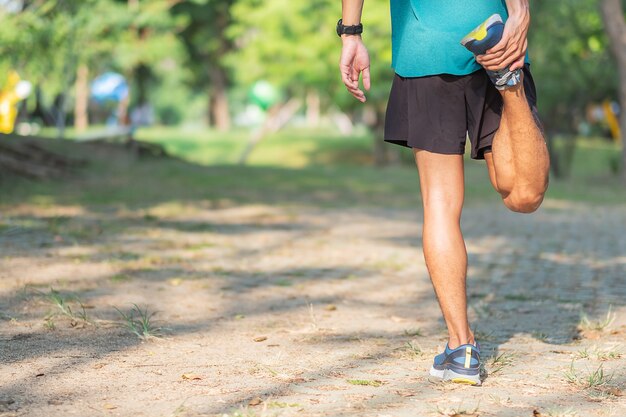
{"x": 349, "y": 30}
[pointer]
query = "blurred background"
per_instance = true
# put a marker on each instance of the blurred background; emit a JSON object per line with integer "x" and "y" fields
{"x": 250, "y": 83}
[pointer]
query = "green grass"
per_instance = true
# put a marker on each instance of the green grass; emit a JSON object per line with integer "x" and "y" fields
{"x": 586, "y": 380}
{"x": 367, "y": 382}
{"x": 316, "y": 168}
{"x": 497, "y": 363}
{"x": 139, "y": 322}
{"x": 599, "y": 325}
{"x": 63, "y": 307}
{"x": 414, "y": 349}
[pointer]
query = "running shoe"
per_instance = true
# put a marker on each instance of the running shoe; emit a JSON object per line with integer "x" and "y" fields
{"x": 484, "y": 37}
{"x": 460, "y": 365}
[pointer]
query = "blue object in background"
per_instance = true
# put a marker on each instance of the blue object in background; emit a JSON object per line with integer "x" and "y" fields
{"x": 109, "y": 86}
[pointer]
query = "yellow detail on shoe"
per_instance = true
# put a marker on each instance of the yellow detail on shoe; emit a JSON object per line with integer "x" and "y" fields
{"x": 468, "y": 356}
{"x": 464, "y": 381}
{"x": 480, "y": 32}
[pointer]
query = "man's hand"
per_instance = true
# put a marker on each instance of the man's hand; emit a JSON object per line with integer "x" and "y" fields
{"x": 354, "y": 61}
{"x": 511, "y": 50}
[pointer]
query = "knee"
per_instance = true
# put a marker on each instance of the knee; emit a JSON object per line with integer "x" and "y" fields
{"x": 524, "y": 201}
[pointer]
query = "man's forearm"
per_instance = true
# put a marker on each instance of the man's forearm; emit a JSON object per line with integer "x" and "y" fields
{"x": 518, "y": 7}
{"x": 351, "y": 12}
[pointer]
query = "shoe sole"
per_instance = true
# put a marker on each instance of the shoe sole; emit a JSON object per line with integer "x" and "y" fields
{"x": 482, "y": 30}
{"x": 450, "y": 375}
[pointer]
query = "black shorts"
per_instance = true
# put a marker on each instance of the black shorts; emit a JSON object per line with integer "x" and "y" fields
{"x": 437, "y": 113}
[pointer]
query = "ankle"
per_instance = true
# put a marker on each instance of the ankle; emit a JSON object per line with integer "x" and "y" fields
{"x": 455, "y": 341}
{"x": 515, "y": 92}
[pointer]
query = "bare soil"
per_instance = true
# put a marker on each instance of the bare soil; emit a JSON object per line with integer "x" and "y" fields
{"x": 304, "y": 311}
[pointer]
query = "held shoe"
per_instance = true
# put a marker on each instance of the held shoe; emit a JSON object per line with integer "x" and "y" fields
{"x": 460, "y": 365}
{"x": 484, "y": 37}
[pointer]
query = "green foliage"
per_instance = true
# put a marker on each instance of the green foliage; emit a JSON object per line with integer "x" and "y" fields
{"x": 178, "y": 50}
{"x": 570, "y": 60}
{"x": 293, "y": 45}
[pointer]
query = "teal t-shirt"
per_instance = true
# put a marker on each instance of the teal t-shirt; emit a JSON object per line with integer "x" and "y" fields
{"x": 426, "y": 34}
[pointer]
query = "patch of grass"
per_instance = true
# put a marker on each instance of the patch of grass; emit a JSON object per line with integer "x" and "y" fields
{"x": 519, "y": 297}
{"x": 413, "y": 332}
{"x": 139, "y": 322}
{"x": 540, "y": 336}
{"x": 278, "y": 404}
{"x": 599, "y": 354}
{"x": 497, "y": 363}
{"x": 62, "y": 303}
{"x": 296, "y": 166}
{"x": 588, "y": 380}
{"x": 388, "y": 265}
{"x": 608, "y": 354}
{"x": 120, "y": 278}
{"x": 126, "y": 256}
{"x": 283, "y": 283}
{"x": 368, "y": 382}
{"x": 414, "y": 349}
{"x": 49, "y": 324}
{"x": 583, "y": 354}
{"x": 601, "y": 324}
{"x": 199, "y": 246}
{"x": 488, "y": 337}
{"x": 459, "y": 411}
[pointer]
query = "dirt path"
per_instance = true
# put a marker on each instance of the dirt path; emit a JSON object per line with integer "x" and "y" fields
{"x": 305, "y": 312}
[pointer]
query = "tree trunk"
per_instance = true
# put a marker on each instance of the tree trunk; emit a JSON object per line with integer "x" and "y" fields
{"x": 615, "y": 26}
{"x": 59, "y": 109}
{"x": 373, "y": 120}
{"x": 277, "y": 117}
{"x": 218, "y": 101}
{"x": 312, "y": 108}
{"x": 81, "y": 120}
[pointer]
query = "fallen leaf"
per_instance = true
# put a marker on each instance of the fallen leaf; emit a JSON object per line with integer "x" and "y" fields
{"x": 98, "y": 365}
{"x": 191, "y": 377}
{"x": 260, "y": 338}
{"x": 38, "y": 375}
{"x": 255, "y": 401}
{"x": 536, "y": 413}
{"x": 330, "y": 307}
{"x": 110, "y": 406}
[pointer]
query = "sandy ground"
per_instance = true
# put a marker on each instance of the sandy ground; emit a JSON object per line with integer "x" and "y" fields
{"x": 302, "y": 311}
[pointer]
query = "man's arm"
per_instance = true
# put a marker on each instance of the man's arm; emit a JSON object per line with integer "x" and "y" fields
{"x": 511, "y": 50}
{"x": 354, "y": 57}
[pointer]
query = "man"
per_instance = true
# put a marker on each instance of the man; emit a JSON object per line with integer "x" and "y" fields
{"x": 440, "y": 95}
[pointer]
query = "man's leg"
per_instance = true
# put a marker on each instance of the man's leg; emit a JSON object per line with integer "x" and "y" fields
{"x": 442, "y": 186}
{"x": 519, "y": 163}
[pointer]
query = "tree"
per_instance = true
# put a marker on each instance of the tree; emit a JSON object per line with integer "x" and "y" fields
{"x": 613, "y": 16}
{"x": 202, "y": 33}
{"x": 293, "y": 45}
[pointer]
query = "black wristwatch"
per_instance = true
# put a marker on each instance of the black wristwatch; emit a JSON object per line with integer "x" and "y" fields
{"x": 349, "y": 30}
